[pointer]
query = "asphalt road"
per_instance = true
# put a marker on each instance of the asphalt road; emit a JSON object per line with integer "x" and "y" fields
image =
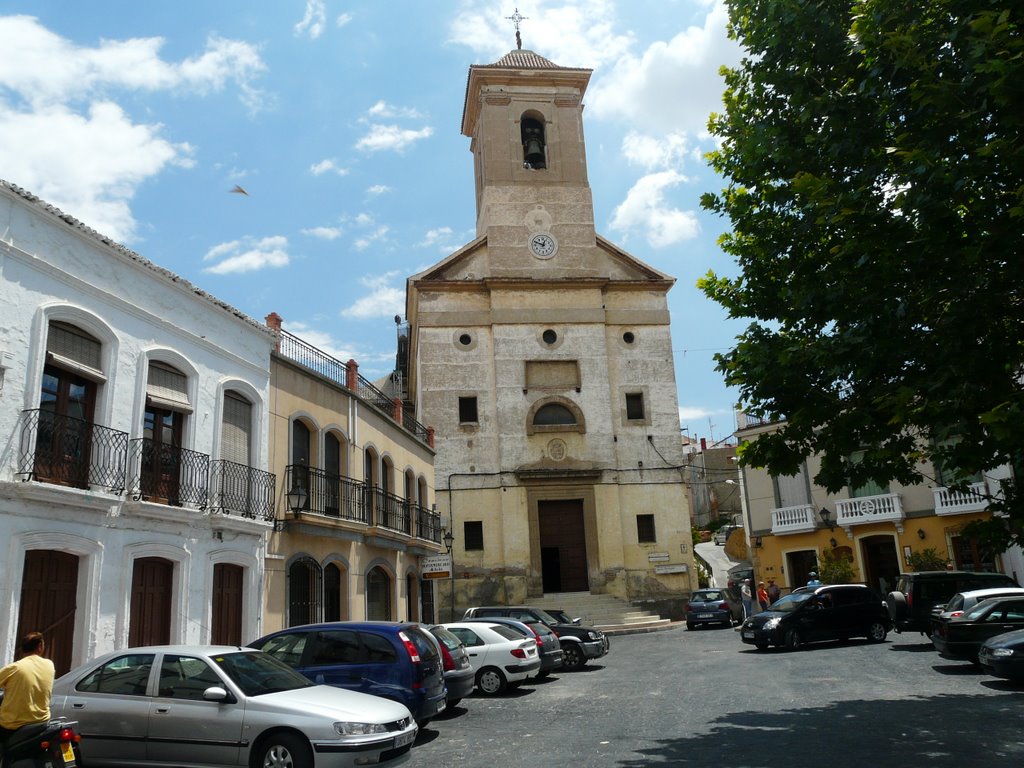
{"x": 702, "y": 698}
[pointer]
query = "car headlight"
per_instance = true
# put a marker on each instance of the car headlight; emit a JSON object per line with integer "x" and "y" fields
{"x": 771, "y": 624}
{"x": 358, "y": 729}
{"x": 1001, "y": 652}
{"x": 593, "y": 635}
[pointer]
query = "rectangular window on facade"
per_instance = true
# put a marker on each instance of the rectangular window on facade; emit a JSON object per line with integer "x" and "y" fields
{"x": 635, "y": 406}
{"x": 645, "y": 528}
{"x": 473, "y": 535}
{"x": 467, "y": 410}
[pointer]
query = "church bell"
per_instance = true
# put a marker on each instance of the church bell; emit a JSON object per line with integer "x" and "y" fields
{"x": 534, "y": 153}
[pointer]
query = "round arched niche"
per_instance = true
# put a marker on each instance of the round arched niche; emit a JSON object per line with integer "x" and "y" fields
{"x": 555, "y": 414}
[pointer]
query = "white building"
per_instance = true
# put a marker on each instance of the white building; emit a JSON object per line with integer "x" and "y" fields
{"x": 134, "y": 497}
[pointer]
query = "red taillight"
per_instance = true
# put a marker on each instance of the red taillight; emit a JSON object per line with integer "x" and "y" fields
{"x": 540, "y": 640}
{"x": 446, "y": 660}
{"x": 66, "y": 734}
{"x": 956, "y": 613}
{"x": 519, "y": 653}
{"x": 689, "y": 607}
{"x": 413, "y": 653}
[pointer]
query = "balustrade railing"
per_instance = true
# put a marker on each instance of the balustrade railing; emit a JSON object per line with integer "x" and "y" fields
{"x": 869, "y": 509}
{"x": 428, "y": 525}
{"x": 237, "y": 489}
{"x": 952, "y": 502}
{"x": 327, "y": 493}
{"x": 68, "y": 451}
{"x": 794, "y": 519}
{"x": 168, "y": 474}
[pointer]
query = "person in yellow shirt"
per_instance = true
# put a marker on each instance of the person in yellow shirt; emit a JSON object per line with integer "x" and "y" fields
{"x": 27, "y": 685}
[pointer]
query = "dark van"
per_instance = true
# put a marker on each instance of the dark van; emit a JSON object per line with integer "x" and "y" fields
{"x": 394, "y": 660}
{"x": 918, "y": 594}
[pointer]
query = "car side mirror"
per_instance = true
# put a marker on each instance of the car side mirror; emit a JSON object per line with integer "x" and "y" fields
{"x": 577, "y": 621}
{"x": 215, "y": 693}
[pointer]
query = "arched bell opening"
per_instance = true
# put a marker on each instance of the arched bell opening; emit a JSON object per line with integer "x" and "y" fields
{"x": 534, "y": 146}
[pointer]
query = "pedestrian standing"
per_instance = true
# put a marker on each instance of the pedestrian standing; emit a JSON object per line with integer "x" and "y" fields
{"x": 812, "y": 580}
{"x": 762, "y": 596}
{"x": 773, "y": 591}
{"x": 747, "y": 598}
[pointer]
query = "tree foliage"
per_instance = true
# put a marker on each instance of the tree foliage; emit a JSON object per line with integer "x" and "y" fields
{"x": 874, "y": 166}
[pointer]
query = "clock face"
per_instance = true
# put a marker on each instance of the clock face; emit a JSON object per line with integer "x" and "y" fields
{"x": 543, "y": 245}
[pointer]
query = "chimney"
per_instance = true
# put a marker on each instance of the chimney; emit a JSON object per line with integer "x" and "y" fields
{"x": 703, "y": 444}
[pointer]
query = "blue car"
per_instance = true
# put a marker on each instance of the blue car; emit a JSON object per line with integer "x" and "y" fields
{"x": 709, "y": 606}
{"x": 394, "y": 660}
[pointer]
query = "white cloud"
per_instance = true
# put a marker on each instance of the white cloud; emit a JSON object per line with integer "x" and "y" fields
{"x": 318, "y": 169}
{"x": 388, "y": 111}
{"x": 651, "y": 152}
{"x": 674, "y": 85}
{"x": 391, "y": 137}
{"x": 384, "y": 300}
{"x": 435, "y": 236}
{"x": 322, "y": 340}
{"x": 248, "y": 255}
{"x": 577, "y": 33}
{"x": 378, "y": 189}
{"x": 645, "y": 211}
{"x": 324, "y": 233}
{"x": 64, "y": 136}
{"x": 313, "y": 20}
{"x": 693, "y": 413}
{"x": 364, "y": 242}
{"x": 343, "y": 19}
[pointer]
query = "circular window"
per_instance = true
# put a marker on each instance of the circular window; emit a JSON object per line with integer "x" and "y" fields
{"x": 628, "y": 337}
{"x": 549, "y": 336}
{"x": 465, "y": 339}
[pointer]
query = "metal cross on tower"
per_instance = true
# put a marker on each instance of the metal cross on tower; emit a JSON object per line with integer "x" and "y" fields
{"x": 515, "y": 18}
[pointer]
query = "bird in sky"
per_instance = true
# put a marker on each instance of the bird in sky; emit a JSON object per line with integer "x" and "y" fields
{"x": 239, "y": 191}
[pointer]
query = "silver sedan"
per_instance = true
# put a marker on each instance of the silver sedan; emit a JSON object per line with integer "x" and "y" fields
{"x": 190, "y": 705}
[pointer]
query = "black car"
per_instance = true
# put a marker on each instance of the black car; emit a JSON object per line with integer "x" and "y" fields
{"x": 579, "y": 644}
{"x": 710, "y": 606}
{"x": 548, "y": 646}
{"x": 459, "y": 677}
{"x": 833, "y": 612}
{"x": 911, "y": 605}
{"x": 1003, "y": 655}
{"x": 961, "y": 637}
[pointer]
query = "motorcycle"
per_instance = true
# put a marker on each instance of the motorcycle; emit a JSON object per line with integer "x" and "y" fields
{"x": 53, "y": 744}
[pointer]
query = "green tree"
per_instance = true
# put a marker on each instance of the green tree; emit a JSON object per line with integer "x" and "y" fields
{"x": 874, "y": 167}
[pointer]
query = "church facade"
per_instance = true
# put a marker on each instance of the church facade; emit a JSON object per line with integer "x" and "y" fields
{"x": 542, "y": 354}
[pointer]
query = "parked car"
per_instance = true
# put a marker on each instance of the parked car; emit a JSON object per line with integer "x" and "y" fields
{"x": 962, "y": 602}
{"x": 562, "y": 617}
{"x": 961, "y": 638}
{"x": 832, "y": 612}
{"x": 549, "y": 648}
{"x": 396, "y": 660}
{"x": 1003, "y": 655}
{"x": 710, "y": 606}
{"x": 459, "y": 677}
{"x": 722, "y": 534}
{"x": 579, "y": 644}
{"x": 189, "y": 705}
{"x": 917, "y": 594}
{"x": 500, "y": 655}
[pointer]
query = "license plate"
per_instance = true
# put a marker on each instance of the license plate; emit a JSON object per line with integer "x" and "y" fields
{"x": 748, "y": 635}
{"x": 68, "y": 754}
{"x": 705, "y": 615}
{"x": 441, "y": 705}
{"x": 405, "y": 738}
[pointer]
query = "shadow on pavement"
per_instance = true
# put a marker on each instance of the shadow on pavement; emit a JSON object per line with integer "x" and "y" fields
{"x": 945, "y": 731}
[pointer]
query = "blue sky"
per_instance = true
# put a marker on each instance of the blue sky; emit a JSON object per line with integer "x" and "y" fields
{"x": 341, "y": 119}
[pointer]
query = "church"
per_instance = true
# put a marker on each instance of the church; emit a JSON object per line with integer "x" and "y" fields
{"x": 542, "y": 355}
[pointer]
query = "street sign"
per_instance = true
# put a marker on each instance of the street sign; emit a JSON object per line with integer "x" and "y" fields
{"x": 436, "y": 566}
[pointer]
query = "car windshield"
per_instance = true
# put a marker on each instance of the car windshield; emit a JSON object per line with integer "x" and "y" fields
{"x": 259, "y": 673}
{"x": 447, "y": 639}
{"x": 506, "y": 632}
{"x": 979, "y": 609}
{"x": 546, "y": 617}
{"x": 791, "y": 602}
{"x": 707, "y": 596}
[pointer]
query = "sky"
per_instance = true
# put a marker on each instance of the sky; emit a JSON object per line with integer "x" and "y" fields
{"x": 341, "y": 121}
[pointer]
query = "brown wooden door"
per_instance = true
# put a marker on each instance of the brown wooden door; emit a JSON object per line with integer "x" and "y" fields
{"x": 227, "y": 604}
{"x": 881, "y": 563}
{"x": 49, "y": 587}
{"x": 150, "y": 619}
{"x": 563, "y": 537}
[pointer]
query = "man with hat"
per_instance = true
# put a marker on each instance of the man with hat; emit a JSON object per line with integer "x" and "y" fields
{"x": 812, "y": 580}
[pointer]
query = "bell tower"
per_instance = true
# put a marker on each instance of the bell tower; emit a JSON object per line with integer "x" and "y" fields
{"x": 524, "y": 116}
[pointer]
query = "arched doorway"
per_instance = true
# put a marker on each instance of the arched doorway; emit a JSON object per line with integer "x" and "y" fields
{"x": 378, "y": 595}
{"x": 150, "y": 619}
{"x": 335, "y": 594}
{"x": 228, "y": 587}
{"x": 49, "y": 588}
{"x": 304, "y": 589}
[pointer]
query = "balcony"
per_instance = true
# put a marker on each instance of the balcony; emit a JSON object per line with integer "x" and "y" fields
{"x": 67, "y": 451}
{"x": 950, "y": 502}
{"x": 798, "y": 519}
{"x": 335, "y": 496}
{"x": 168, "y": 474}
{"x": 237, "y": 489}
{"x": 885, "y": 507}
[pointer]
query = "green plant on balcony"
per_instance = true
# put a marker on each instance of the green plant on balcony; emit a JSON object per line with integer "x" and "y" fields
{"x": 927, "y": 560}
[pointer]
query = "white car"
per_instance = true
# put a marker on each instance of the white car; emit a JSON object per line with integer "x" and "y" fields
{"x": 500, "y": 656}
{"x": 962, "y": 602}
{"x": 190, "y": 705}
{"x": 722, "y": 534}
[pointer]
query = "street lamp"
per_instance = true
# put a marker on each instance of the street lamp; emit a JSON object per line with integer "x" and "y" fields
{"x": 297, "y": 500}
{"x": 449, "y": 539}
{"x": 824, "y": 515}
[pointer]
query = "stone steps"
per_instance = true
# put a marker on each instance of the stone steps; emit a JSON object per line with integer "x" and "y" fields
{"x": 605, "y": 612}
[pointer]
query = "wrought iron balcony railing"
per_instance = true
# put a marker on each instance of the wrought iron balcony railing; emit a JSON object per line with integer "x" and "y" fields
{"x": 167, "y": 474}
{"x": 237, "y": 489}
{"x": 69, "y": 451}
